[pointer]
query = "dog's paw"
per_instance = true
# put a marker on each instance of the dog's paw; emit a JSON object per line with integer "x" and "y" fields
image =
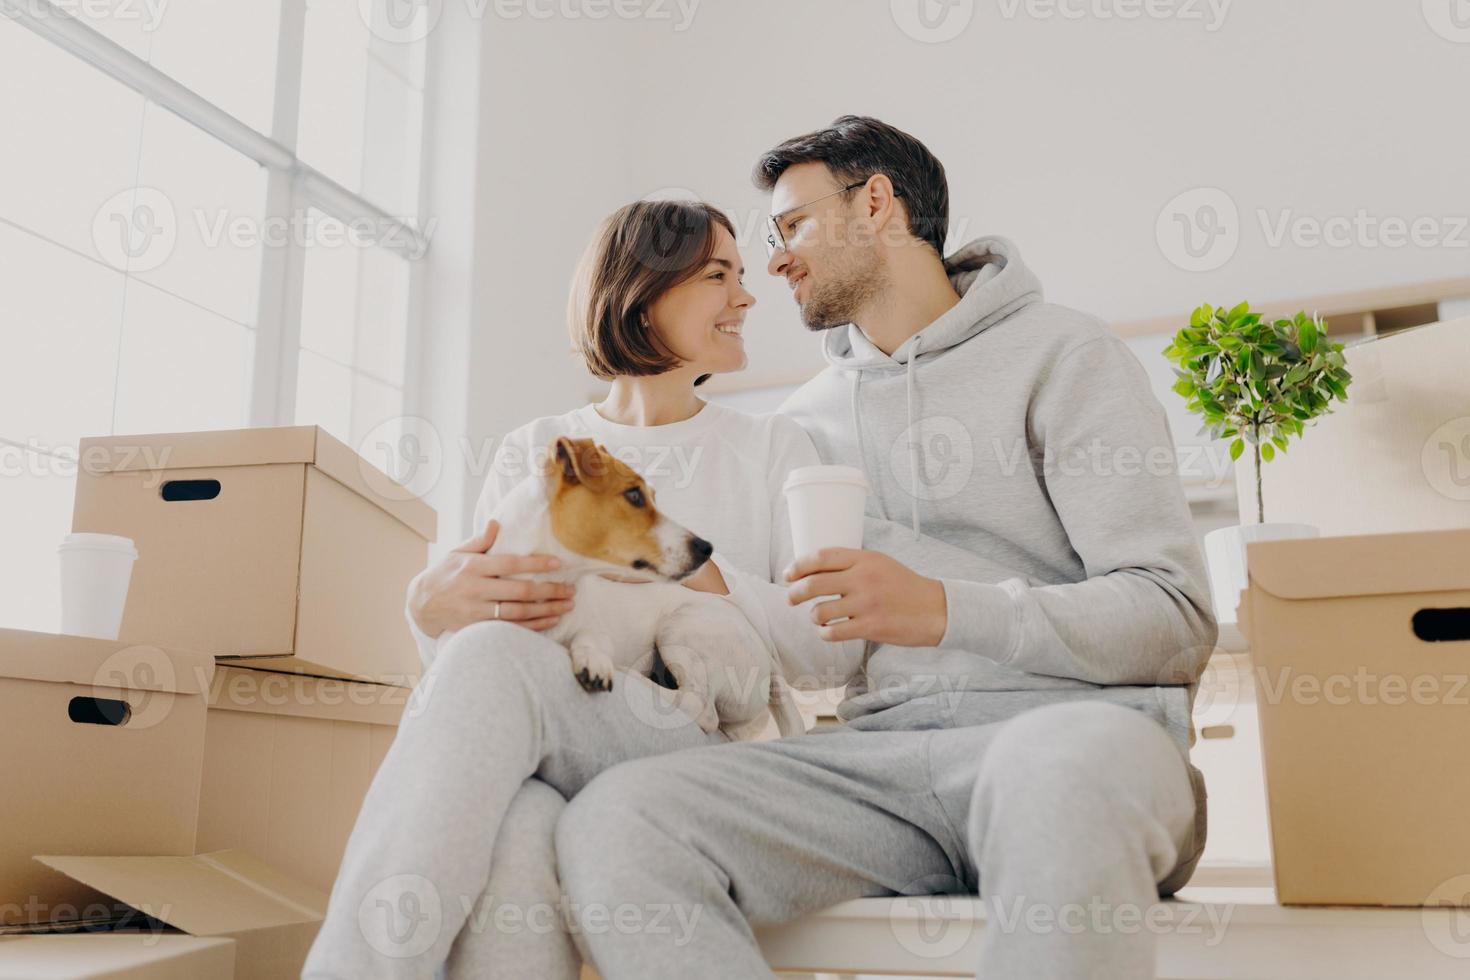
{"x": 592, "y": 681}
{"x": 593, "y": 670}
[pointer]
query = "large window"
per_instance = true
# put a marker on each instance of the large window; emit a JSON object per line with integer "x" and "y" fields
{"x": 208, "y": 219}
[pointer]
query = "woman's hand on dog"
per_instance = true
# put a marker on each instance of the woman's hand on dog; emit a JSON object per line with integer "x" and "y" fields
{"x": 465, "y": 587}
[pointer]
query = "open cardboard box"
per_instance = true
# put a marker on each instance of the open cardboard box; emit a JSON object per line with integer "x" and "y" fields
{"x": 287, "y": 762}
{"x": 112, "y": 740}
{"x": 272, "y": 547}
{"x": 1361, "y": 647}
{"x": 115, "y": 956}
{"x": 244, "y": 919}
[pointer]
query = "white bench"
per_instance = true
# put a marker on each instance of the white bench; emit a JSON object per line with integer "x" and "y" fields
{"x": 1214, "y": 930}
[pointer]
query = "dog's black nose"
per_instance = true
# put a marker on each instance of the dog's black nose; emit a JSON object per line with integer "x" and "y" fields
{"x": 701, "y": 549}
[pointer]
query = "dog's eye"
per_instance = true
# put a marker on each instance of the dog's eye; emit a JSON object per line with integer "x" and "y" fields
{"x": 634, "y": 496}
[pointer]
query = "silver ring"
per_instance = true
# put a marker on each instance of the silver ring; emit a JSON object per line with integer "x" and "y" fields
{"x": 496, "y": 613}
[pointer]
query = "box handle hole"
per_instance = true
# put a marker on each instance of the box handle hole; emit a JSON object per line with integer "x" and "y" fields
{"x": 98, "y": 711}
{"x": 1442, "y": 625}
{"x": 190, "y": 490}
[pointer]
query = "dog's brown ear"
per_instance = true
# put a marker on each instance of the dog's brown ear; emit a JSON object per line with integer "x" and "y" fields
{"x": 580, "y": 461}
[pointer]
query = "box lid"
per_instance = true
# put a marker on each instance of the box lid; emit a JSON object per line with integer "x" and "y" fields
{"x": 1362, "y": 564}
{"x": 222, "y": 893}
{"x": 255, "y": 447}
{"x": 306, "y": 696}
{"x": 66, "y": 659}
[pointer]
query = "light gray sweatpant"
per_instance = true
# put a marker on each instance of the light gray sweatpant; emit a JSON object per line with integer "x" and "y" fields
{"x": 497, "y": 706}
{"x": 1069, "y": 820}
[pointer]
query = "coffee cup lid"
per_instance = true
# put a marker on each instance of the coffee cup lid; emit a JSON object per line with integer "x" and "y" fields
{"x": 89, "y": 541}
{"x": 803, "y": 475}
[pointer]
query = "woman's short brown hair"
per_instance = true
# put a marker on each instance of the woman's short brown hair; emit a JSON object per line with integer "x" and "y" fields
{"x": 640, "y": 252}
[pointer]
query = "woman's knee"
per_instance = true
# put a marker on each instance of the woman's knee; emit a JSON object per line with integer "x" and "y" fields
{"x": 491, "y": 647}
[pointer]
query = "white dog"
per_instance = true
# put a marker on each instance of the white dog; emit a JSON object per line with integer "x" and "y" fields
{"x": 597, "y": 515}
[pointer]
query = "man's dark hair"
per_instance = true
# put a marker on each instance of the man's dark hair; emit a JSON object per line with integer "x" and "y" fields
{"x": 855, "y": 148}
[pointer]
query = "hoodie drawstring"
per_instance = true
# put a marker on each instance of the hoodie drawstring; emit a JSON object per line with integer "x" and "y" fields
{"x": 913, "y": 438}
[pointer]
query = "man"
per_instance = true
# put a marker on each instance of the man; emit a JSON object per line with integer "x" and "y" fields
{"x": 1032, "y": 599}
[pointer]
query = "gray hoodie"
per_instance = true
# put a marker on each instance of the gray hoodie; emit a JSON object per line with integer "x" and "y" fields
{"x": 1017, "y": 453}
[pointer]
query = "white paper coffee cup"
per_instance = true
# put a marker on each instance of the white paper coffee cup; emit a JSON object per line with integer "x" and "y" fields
{"x": 95, "y": 572}
{"x": 826, "y": 504}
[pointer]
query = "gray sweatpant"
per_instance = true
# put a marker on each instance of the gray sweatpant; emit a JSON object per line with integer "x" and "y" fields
{"x": 1069, "y": 819}
{"x": 497, "y": 706}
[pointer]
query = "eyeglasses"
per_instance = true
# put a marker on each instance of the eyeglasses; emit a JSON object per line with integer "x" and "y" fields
{"x": 775, "y": 240}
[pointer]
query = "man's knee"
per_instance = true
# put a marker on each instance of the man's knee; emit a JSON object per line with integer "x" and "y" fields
{"x": 613, "y": 820}
{"x": 1077, "y": 754}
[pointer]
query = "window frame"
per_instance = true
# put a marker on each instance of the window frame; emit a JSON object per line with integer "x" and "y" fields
{"x": 292, "y": 185}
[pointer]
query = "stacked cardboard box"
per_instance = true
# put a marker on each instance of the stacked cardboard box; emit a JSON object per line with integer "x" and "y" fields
{"x": 185, "y": 793}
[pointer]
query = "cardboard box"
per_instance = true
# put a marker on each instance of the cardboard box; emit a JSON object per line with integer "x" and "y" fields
{"x": 287, "y": 762}
{"x": 1394, "y": 457}
{"x": 115, "y": 956}
{"x": 271, "y": 918}
{"x": 106, "y": 758}
{"x": 276, "y": 547}
{"x": 1361, "y": 647}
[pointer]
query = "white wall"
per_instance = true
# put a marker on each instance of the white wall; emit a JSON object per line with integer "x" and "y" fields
{"x": 1068, "y": 136}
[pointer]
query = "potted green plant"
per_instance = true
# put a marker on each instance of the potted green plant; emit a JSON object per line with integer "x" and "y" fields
{"x": 1257, "y": 383}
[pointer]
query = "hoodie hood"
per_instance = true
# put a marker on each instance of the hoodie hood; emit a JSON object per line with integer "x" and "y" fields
{"x": 992, "y": 282}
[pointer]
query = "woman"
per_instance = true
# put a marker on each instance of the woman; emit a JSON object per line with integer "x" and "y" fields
{"x": 451, "y": 860}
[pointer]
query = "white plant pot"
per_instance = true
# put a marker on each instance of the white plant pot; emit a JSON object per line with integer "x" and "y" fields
{"x": 1225, "y": 557}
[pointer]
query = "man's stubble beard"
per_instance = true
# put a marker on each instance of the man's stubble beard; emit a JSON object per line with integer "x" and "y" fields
{"x": 851, "y": 286}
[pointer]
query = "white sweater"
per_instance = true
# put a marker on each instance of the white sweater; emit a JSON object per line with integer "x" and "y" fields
{"x": 718, "y": 473}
